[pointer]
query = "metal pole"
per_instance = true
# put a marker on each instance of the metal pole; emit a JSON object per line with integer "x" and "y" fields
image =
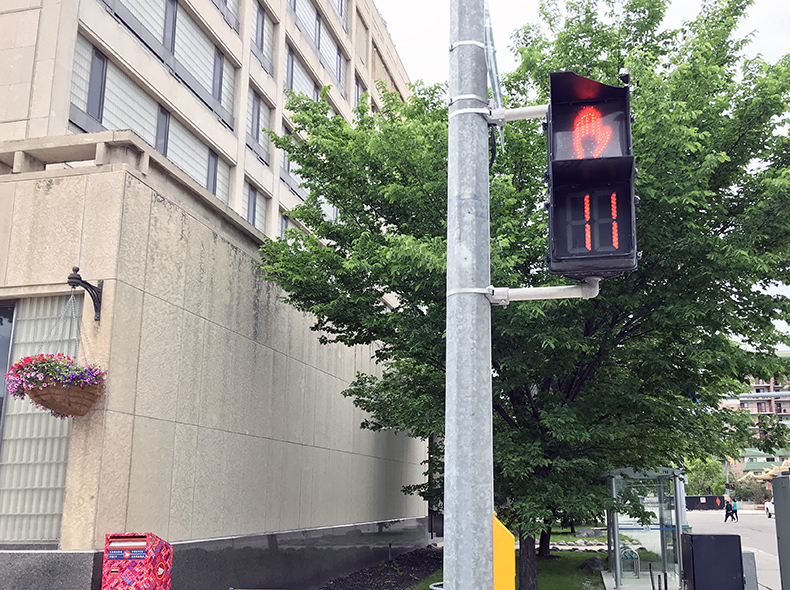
{"x": 662, "y": 524}
{"x": 469, "y": 472}
{"x": 680, "y": 506}
{"x": 781, "y": 487}
{"x": 618, "y": 563}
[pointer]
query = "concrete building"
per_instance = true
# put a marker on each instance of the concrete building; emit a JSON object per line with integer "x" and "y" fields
{"x": 131, "y": 146}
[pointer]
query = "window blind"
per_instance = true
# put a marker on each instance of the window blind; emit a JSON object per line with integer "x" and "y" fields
{"x": 187, "y": 151}
{"x": 228, "y": 85}
{"x": 223, "y": 180}
{"x": 150, "y": 13}
{"x": 126, "y": 106}
{"x": 329, "y": 52}
{"x": 194, "y": 50}
{"x": 306, "y": 19}
{"x": 301, "y": 80}
{"x": 81, "y": 73}
{"x": 254, "y": 198}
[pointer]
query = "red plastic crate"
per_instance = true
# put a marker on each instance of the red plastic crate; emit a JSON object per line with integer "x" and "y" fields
{"x": 136, "y": 561}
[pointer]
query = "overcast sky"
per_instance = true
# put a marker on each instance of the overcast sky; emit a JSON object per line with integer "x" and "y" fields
{"x": 420, "y": 30}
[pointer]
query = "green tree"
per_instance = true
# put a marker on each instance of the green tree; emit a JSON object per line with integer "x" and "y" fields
{"x": 633, "y": 378}
{"x": 750, "y": 491}
{"x": 706, "y": 477}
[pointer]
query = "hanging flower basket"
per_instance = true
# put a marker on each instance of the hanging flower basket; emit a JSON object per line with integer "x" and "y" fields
{"x": 57, "y": 383}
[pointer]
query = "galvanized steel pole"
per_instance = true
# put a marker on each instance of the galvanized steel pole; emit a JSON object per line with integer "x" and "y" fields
{"x": 468, "y": 483}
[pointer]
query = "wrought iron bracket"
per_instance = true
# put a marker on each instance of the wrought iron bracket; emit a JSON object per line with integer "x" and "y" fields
{"x": 75, "y": 280}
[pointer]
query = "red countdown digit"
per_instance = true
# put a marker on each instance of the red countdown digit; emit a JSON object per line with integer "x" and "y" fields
{"x": 615, "y": 237}
{"x": 587, "y": 230}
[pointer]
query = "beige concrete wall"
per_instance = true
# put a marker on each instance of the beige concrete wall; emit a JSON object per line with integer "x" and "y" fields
{"x": 223, "y": 414}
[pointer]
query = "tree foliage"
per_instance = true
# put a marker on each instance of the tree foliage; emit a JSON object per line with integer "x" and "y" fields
{"x": 706, "y": 477}
{"x": 632, "y": 378}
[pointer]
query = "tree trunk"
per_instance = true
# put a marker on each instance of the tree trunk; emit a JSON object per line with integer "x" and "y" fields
{"x": 527, "y": 563}
{"x": 544, "y": 551}
{"x": 573, "y": 528}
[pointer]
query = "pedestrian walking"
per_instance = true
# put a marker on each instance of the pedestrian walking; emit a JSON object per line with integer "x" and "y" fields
{"x": 735, "y": 511}
{"x": 728, "y": 511}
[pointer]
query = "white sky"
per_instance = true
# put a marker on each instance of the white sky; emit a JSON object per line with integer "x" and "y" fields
{"x": 420, "y": 30}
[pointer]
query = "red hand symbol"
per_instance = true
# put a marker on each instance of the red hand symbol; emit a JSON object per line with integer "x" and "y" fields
{"x": 588, "y": 126}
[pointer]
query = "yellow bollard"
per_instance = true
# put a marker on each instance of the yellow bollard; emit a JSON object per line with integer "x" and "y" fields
{"x": 504, "y": 557}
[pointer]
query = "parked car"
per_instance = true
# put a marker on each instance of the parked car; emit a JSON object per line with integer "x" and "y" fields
{"x": 769, "y": 508}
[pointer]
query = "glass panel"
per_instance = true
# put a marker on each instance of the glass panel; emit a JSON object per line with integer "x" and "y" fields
{"x": 126, "y": 106}
{"x": 268, "y": 37}
{"x": 233, "y": 5}
{"x": 34, "y": 450}
{"x": 151, "y": 13}
{"x": 228, "y": 85}
{"x": 6, "y": 322}
{"x": 263, "y": 122}
{"x": 223, "y": 180}
{"x": 329, "y": 53}
{"x": 251, "y": 123}
{"x": 187, "y": 151}
{"x": 245, "y": 201}
{"x": 343, "y": 62}
{"x": 302, "y": 82}
{"x": 260, "y": 211}
{"x": 81, "y": 73}
{"x": 194, "y": 49}
{"x": 305, "y": 19}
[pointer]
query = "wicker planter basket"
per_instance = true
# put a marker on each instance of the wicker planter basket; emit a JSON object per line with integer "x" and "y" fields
{"x": 74, "y": 400}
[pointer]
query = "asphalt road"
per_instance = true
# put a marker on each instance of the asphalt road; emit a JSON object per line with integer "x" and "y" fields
{"x": 758, "y": 536}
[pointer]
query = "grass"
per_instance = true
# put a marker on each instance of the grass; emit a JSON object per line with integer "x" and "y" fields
{"x": 560, "y": 573}
{"x": 563, "y": 573}
{"x": 426, "y": 583}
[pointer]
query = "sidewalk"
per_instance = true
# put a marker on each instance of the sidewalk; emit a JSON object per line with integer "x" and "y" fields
{"x": 631, "y": 582}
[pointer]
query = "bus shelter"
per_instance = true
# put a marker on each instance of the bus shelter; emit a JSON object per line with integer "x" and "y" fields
{"x": 647, "y": 555}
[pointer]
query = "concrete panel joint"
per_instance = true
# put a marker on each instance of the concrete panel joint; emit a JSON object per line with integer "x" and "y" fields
{"x": 24, "y": 162}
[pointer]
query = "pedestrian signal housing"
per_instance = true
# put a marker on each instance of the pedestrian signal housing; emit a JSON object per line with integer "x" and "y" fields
{"x": 592, "y": 225}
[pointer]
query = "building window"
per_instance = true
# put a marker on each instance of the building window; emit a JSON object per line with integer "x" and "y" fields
{"x": 762, "y": 406}
{"x": 359, "y": 90}
{"x": 341, "y": 9}
{"x": 263, "y": 38}
{"x": 103, "y": 97}
{"x": 286, "y": 223}
{"x": 309, "y": 21}
{"x": 169, "y": 31}
{"x": 258, "y": 113}
{"x": 34, "y": 446}
{"x": 6, "y": 321}
{"x": 297, "y": 78}
{"x": 230, "y": 12}
{"x": 289, "y": 173}
{"x": 254, "y": 207}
